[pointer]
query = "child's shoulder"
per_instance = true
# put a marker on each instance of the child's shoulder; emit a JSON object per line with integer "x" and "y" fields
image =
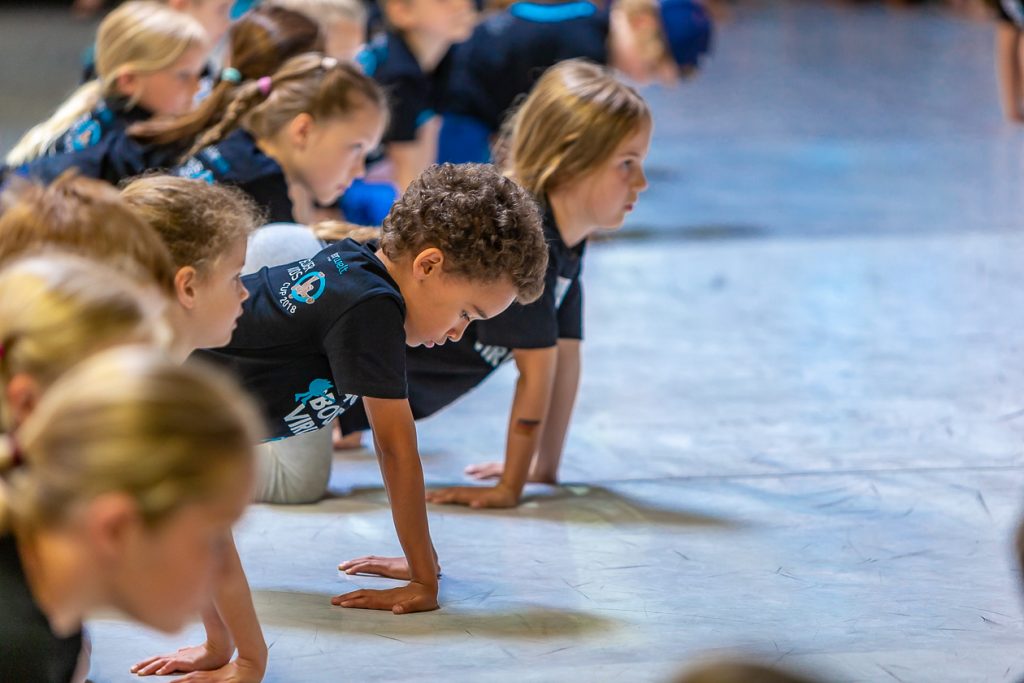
{"x": 236, "y": 158}
{"x": 337, "y": 280}
{"x": 388, "y": 58}
{"x": 109, "y": 117}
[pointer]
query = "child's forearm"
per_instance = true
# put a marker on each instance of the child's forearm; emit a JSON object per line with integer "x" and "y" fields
{"x": 394, "y": 434}
{"x": 529, "y": 411}
{"x": 218, "y": 637}
{"x": 234, "y": 603}
{"x": 1008, "y": 69}
{"x": 563, "y": 401}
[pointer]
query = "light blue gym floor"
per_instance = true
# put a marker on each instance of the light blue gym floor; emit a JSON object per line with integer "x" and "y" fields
{"x": 801, "y": 421}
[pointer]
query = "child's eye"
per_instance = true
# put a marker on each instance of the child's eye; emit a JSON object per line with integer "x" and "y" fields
{"x": 464, "y": 316}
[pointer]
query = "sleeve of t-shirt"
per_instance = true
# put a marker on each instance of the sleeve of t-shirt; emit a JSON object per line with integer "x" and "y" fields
{"x": 366, "y": 349}
{"x": 408, "y": 101}
{"x": 570, "y": 313}
{"x": 533, "y": 326}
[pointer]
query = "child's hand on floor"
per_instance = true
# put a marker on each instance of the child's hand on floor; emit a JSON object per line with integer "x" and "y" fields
{"x": 475, "y": 496}
{"x": 203, "y": 657}
{"x": 485, "y": 470}
{"x": 238, "y": 671}
{"x": 388, "y": 567}
{"x": 413, "y": 597}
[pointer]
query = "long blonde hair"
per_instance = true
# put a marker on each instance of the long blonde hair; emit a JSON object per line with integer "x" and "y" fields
{"x": 84, "y": 216}
{"x": 311, "y": 83}
{"x": 128, "y": 420}
{"x": 140, "y": 37}
{"x": 575, "y": 117}
{"x": 57, "y": 309}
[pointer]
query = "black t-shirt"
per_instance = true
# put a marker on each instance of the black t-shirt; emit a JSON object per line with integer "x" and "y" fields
{"x": 98, "y": 145}
{"x": 237, "y": 160}
{"x": 317, "y": 334}
{"x": 414, "y": 96}
{"x": 510, "y": 50}
{"x": 29, "y": 650}
{"x": 1011, "y": 12}
{"x": 441, "y": 374}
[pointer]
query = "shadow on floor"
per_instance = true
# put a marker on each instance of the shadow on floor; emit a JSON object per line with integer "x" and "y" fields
{"x": 304, "y": 610}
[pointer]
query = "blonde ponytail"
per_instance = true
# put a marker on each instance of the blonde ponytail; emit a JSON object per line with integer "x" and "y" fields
{"x": 139, "y": 37}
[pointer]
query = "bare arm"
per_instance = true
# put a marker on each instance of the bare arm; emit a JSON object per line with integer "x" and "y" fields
{"x": 395, "y": 436}
{"x": 1008, "y": 70}
{"x": 537, "y": 371}
{"x": 409, "y": 159}
{"x": 563, "y": 401}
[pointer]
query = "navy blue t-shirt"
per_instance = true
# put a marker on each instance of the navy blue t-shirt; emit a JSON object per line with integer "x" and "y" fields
{"x": 316, "y": 335}
{"x": 29, "y": 650}
{"x": 237, "y": 160}
{"x": 414, "y": 96}
{"x": 510, "y": 50}
{"x": 98, "y": 145}
{"x": 441, "y": 374}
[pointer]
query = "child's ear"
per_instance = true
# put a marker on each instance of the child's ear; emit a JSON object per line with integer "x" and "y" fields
{"x": 300, "y": 129}
{"x": 111, "y": 521}
{"x": 645, "y": 24}
{"x": 185, "y": 281}
{"x": 427, "y": 263}
{"x": 22, "y": 394}
{"x": 180, "y": 5}
{"x": 128, "y": 85}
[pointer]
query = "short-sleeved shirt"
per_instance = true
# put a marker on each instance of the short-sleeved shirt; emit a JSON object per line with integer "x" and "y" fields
{"x": 510, "y": 50}
{"x": 414, "y": 96}
{"x": 98, "y": 145}
{"x": 441, "y": 374}
{"x": 316, "y": 335}
{"x": 1011, "y": 11}
{"x": 237, "y": 160}
{"x": 29, "y": 649}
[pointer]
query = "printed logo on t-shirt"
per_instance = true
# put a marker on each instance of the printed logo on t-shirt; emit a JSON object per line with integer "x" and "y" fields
{"x": 495, "y": 355}
{"x": 291, "y": 291}
{"x": 561, "y": 289}
{"x": 309, "y": 288}
{"x": 316, "y": 407}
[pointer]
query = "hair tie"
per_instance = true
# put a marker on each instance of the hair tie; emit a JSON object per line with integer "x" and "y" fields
{"x": 231, "y": 75}
{"x": 17, "y": 457}
{"x": 328, "y": 63}
{"x": 265, "y": 84}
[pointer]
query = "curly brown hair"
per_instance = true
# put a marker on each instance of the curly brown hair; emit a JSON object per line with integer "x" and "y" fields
{"x": 197, "y": 221}
{"x": 487, "y": 226}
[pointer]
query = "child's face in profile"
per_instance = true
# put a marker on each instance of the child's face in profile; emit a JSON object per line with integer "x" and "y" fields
{"x": 218, "y": 298}
{"x": 344, "y": 39}
{"x": 451, "y": 21}
{"x": 163, "y": 575}
{"x": 169, "y": 91}
{"x": 214, "y": 15}
{"x": 439, "y": 307}
{"x": 329, "y": 155}
{"x": 611, "y": 191}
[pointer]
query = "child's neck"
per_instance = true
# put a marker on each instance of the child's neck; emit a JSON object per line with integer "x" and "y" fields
{"x": 182, "y": 343}
{"x": 302, "y": 202}
{"x": 570, "y": 219}
{"x": 427, "y": 49}
{"x": 58, "y": 579}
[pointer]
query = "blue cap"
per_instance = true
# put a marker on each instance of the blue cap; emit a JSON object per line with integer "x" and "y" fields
{"x": 687, "y": 27}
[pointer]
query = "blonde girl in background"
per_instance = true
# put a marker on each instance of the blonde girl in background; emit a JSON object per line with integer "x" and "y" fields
{"x": 148, "y": 59}
{"x": 294, "y": 139}
{"x": 125, "y": 480}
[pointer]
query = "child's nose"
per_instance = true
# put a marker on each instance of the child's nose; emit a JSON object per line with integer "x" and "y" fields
{"x": 455, "y": 334}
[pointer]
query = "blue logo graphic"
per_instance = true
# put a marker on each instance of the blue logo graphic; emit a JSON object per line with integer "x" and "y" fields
{"x": 317, "y": 388}
{"x": 309, "y": 288}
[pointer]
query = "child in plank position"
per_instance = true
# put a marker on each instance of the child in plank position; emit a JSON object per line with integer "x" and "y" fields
{"x": 149, "y": 58}
{"x": 316, "y": 336}
{"x": 120, "y": 484}
{"x": 647, "y": 40}
{"x": 293, "y": 139}
{"x": 578, "y": 144}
